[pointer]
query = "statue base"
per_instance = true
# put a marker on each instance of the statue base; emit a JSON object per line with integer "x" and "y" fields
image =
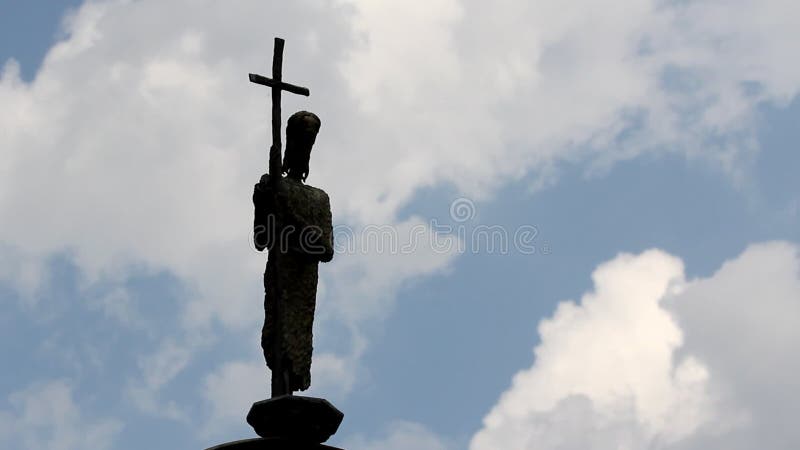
{"x": 290, "y": 422}
{"x": 294, "y": 417}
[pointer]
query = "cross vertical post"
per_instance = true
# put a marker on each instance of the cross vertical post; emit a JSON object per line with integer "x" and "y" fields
{"x": 275, "y": 163}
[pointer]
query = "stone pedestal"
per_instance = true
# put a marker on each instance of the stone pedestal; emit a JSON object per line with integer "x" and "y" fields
{"x": 290, "y": 422}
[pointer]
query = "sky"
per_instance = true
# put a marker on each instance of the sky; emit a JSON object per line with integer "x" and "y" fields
{"x": 559, "y": 225}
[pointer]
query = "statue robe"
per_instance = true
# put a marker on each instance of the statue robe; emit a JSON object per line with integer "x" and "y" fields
{"x": 302, "y": 231}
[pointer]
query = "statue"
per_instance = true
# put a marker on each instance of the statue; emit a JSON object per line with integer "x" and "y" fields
{"x": 292, "y": 221}
{"x": 299, "y": 227}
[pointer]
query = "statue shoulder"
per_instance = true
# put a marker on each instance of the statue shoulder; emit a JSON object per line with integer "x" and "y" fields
{"x": 295, "y": 188}
{"x": 316, "y": 192}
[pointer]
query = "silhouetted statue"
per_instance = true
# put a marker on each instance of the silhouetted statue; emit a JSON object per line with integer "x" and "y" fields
{"x": 293, "y": 221}
{"x": 300, "y": 227}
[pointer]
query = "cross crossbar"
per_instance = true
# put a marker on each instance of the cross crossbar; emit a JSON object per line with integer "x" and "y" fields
{"x": 259, "y": 79}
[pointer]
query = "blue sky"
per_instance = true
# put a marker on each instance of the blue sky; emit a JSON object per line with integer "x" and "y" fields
{"x": 651, "y": 145}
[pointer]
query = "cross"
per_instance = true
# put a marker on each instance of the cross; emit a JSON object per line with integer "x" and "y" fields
{"x": 280, "y": 382}
{"x": 277, "y": 85}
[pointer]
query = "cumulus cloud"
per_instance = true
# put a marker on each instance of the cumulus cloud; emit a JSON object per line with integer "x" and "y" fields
{"x": 140, "y": 148}
{"x": 651, "y": 360}
{"x": 744, "y": 324}
{"x": 44, "y": 416}
{"x": 504, "y": 88}
{"x": 143, "y": 141}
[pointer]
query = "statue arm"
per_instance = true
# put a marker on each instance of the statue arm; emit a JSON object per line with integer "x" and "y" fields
{"x": 327, "y": 232}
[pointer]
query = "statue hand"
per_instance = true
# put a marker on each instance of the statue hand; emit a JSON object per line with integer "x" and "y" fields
{"x": 262, "y": 197}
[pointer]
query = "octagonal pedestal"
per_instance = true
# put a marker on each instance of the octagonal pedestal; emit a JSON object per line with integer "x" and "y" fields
{"x": 290, "y": 422}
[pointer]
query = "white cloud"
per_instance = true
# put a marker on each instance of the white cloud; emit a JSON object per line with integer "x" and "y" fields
{"x": 744, "y": 324}
{"x": 502, "y": 88}
{"x": 145, "y": 141}
{"x": 649, "y": 360}
{"x": 231, "y": 390}
{"x": 44, "y": 416}
{"x": 333, "y": 375}
{"x": 140, "y": 147}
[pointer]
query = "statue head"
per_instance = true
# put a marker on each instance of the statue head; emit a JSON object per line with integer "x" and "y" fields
{"x": 301, "y": 132}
